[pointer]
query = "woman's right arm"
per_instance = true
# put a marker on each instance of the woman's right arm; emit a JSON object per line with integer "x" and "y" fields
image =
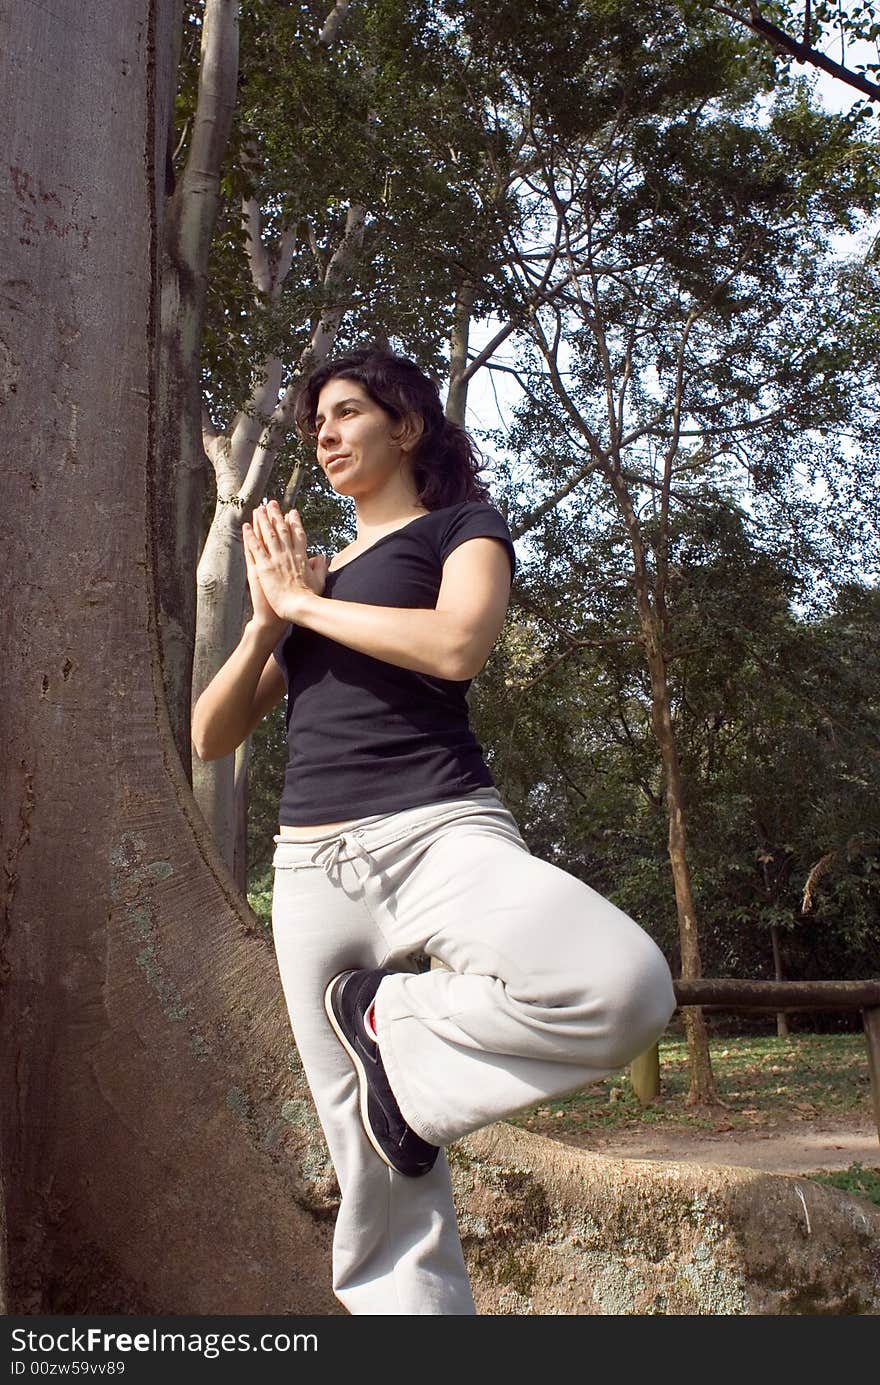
{"x": 239, "y": 695}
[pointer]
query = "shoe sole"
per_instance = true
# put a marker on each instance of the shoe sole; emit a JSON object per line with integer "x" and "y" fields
{"x": 363, "y": 1084}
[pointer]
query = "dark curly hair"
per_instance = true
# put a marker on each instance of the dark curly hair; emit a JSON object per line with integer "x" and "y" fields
{"x": 445, "y": 460}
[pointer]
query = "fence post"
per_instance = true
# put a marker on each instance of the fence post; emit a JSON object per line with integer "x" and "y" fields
{"x": 871, "y": 1021}
{"x": 644, "y": 1074}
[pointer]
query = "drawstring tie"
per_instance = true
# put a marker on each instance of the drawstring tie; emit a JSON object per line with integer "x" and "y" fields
{"x": 329, "y": 854}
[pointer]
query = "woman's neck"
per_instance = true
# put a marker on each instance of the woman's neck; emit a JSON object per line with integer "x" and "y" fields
{"x": 377, "y": 513}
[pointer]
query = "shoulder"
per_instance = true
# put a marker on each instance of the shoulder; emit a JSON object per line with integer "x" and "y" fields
{"x": 471, "y": 519}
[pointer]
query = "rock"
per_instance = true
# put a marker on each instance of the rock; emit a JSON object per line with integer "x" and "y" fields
{"x": 550, "y": 1229}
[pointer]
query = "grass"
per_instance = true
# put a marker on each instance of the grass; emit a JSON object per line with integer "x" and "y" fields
{"x": 763, "y": 1082}
{"x": 855, "y": 1179}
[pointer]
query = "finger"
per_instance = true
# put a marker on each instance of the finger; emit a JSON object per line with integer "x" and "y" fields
{"x": 253, "y": 544}
{"x": 296, "y": 528}
{"x": 261, "y": 531}
{"x": 273, "y": 525}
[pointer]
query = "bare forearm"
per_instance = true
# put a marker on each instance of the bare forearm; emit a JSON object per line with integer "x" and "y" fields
{"x": 427, "y": 641}
{"x": 222, "y": 715}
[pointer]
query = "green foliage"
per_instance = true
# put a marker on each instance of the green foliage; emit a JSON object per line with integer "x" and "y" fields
{"x": 259, "y": 895}
{"x": 776, "y": 717}
{"x": 385, "y": 118}
{"x": 856, "y": 1179}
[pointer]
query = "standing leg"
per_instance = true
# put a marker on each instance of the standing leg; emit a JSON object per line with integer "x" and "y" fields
{"x": 396, "y": 1248}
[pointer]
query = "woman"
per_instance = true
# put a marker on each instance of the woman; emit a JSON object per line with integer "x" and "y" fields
{"x": 393, "y": 839}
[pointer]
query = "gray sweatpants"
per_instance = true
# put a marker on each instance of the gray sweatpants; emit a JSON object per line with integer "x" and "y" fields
{"x": 549, "y": 987}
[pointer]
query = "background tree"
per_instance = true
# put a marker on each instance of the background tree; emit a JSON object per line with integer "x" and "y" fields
{"x": 775, "y": 716}
{"x": 686, "y": 242}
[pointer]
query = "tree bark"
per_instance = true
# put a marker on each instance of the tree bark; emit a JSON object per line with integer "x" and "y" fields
{"x": 158, "y": 1149}
{"x": 551, "y": 1230}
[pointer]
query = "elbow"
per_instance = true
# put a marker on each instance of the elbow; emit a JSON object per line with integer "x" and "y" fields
{"x": 201, "y": 747}
{"x": 201, "y": 741}
{"x": 197, "y": 735}
{"x": 207, "y": 752}
{"x": 464, "y": 661}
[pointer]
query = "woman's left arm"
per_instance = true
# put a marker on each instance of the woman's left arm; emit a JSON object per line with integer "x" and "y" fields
{"x": 452, "y": 641}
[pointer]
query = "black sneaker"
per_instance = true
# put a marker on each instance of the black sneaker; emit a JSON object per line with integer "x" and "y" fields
{"x": 346, "y": 1000}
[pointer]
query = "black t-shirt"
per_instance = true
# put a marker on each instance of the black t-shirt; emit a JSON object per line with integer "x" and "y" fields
{"x": 366, "y": 736}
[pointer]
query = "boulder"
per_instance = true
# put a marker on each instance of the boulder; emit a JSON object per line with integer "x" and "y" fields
{"x": 550, "y": 1229}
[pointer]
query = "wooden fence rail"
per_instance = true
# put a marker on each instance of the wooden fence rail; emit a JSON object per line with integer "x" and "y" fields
{"x": 724, "y": 993}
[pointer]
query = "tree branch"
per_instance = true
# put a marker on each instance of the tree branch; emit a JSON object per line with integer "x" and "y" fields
{"x": 537, "y": 514}
{"x": 801, "y": 52}
{"x": 332, "y": 23}
{"x": 258, "y": 258}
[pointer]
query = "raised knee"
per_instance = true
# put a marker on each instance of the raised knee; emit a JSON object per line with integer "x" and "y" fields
{"x": 643, "y": 1007}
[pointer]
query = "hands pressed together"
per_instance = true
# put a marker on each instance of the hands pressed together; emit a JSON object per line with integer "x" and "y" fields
{"x": 281, "y": 576}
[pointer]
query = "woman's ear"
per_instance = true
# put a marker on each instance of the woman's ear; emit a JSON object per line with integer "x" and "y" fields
{"x": 409, "y": 430}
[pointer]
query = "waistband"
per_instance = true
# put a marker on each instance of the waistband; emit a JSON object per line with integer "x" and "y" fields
{"x": 367, "y": 834}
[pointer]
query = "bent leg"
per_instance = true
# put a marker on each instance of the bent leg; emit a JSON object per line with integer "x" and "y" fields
{"x": 396, "y": 1248}
{"x": 550, "y": 986}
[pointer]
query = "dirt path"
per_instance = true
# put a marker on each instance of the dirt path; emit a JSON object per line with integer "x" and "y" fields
{"x": 800, "y": 1148}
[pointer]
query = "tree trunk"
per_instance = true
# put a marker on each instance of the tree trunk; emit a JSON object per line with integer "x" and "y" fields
{"x": 456, "y": 398}
{"x": 181, "y": 466}
{"x": 701, "y": 1088}
{"x": 644, "y": 1075}
{"x": 221, "y": 612}
{"x": 778, "y": 975}
{"x": 158, "y": 1149}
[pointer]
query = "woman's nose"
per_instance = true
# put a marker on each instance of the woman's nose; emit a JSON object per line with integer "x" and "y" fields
{"x": 327, "y": 433}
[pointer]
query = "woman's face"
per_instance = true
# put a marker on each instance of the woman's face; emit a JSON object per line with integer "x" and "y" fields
{"x": 360, "y": 447}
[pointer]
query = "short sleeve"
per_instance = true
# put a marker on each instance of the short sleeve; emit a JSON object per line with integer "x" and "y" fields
{"x": 477, "y": 520}
{"x": 280, "y": 655}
